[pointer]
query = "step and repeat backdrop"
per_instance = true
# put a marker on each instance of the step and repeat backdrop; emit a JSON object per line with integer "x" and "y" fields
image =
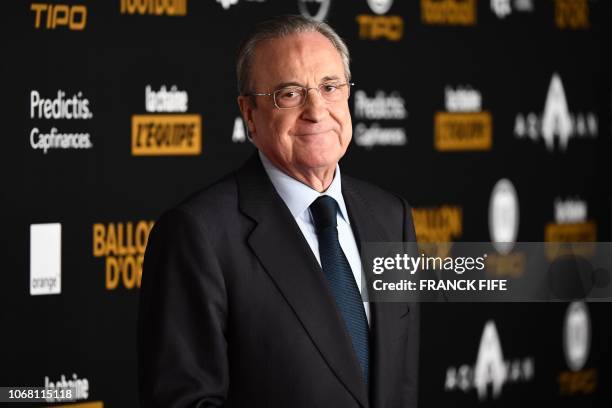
{"x": 492, "y": 118}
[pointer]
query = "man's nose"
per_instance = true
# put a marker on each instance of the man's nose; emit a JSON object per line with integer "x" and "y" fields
{"x": 315, "y": 108}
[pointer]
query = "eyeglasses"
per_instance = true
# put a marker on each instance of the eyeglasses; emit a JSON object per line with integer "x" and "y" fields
{"x": 295, "y": 96}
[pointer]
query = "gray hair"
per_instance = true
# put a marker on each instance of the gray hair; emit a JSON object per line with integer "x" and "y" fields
{"x": 278, "y": 27}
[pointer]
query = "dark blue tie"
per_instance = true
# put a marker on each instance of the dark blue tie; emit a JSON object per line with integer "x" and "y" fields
{"x": 340, "y": 277}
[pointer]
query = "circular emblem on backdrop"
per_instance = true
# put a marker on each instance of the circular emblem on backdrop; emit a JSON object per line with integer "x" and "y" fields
{"x": 380, "y": 6}
{"x": 503, "y": 216}
{"x": 315, "y": 9}
{"x": 576, "y": 335}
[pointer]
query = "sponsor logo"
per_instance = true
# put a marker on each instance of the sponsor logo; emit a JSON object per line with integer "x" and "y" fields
{"x": 123, "y": 245}
{"x": 45, "y": 259}
{"x": 572, "y": 14}
{"x": 54, "y": 16}
{"x": 165, "y": 100}
{"x": 449, "y": 12}
{"x": 464, "y": 126}
{"x": 380, "y": 6}
{"x": 59, "y": 107}
{"x": 577, "y": 336}
{"x": 503, "y": 230}
{"x": 154, "y": 7}
{"x": 171, "y": 134}
{"x": 437, "y": 227}
{"x": 571, "y": 223}
{"x": 503, "y": 216}
{"x": 378, "y": 26}
{"x": 576, "y": 347}
{"x": 226, "y": 4}
{"x": 315, "y": 9}
{"x": 380, "y": 107}
{"x": 239, "y": 133}
{"x": 503, "y": 8}
{"x": 79, "y": 388}
{"x": 556, "y": 122}
{"x": 491, "y": 372}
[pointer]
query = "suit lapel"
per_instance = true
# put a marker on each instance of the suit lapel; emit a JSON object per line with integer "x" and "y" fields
{"x": 287, "y": 258}
{"x": 384, "y": 317}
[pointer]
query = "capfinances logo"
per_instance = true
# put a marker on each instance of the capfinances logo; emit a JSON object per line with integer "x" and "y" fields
{"x": 123, "y": 245}
{"x": 173, "y": 133}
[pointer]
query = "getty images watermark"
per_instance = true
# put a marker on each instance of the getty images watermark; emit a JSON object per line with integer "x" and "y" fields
{"x": 477, "y": 272}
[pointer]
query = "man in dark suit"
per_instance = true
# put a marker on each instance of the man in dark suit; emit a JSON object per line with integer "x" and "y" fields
{"x": 251, "y": 288}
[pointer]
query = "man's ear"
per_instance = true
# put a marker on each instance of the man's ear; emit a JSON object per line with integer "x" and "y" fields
{"x": 246, "y": 108}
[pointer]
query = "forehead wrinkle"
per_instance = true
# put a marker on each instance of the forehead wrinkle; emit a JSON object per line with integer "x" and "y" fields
{"x": 302, "y": 54}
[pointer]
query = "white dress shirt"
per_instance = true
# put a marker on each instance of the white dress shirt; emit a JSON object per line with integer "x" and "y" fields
{"x": 298, "y": 197}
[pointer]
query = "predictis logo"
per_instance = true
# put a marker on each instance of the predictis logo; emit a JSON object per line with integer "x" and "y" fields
{"x": 382, "y": 107}
{"x": 315, "y": 9}
{"x": 123, "y": 245}
{"x": 572, "y": 14}
{"x": 491, "y": 372}
{"x": 576, "y": 347}
{"x": 448, "y": 12}
{"x": 165, "y": 132}
{"x": 556, "y": 122}
{"x": 60, "y": 107}
{"x": 154, "y": 7}
{"x": 378, "y": 25}
{"x": 53, "y": 16}
{"x": 464, "y": 126}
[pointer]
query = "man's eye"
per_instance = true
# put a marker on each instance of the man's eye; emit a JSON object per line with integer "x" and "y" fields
{"x": 290, "y": 94}
{"x": 330, "y": 88}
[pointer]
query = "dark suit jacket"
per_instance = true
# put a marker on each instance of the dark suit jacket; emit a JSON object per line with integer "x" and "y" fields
{"x": 235, "y": 310}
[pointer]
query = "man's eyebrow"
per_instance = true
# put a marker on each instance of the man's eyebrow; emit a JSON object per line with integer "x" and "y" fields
{"x": 328, "y": 78}
{"x": 286, "y": 84}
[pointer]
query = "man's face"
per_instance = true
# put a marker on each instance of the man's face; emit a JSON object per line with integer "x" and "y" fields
{"x": 305, "y": 139}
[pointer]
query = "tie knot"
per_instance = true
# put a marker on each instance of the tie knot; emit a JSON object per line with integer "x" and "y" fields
{"x": 323, "y": 211}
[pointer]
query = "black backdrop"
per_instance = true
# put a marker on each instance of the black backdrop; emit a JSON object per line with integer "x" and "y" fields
{"x": 482, "y": 75}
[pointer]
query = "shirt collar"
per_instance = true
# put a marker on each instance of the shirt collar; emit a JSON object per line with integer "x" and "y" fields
{"x": 298, "y": 196}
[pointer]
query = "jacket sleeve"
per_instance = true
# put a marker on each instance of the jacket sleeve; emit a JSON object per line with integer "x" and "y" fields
{"x": 182, "y": 348}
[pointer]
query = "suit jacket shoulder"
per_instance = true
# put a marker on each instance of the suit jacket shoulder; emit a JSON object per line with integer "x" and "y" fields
{"x": 389, "y": 210}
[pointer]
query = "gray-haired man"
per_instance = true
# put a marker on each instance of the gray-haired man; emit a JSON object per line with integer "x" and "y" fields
{"x": 251, "y": 288}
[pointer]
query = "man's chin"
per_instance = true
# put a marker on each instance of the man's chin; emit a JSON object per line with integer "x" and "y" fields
{"x": 318, "y": 163}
